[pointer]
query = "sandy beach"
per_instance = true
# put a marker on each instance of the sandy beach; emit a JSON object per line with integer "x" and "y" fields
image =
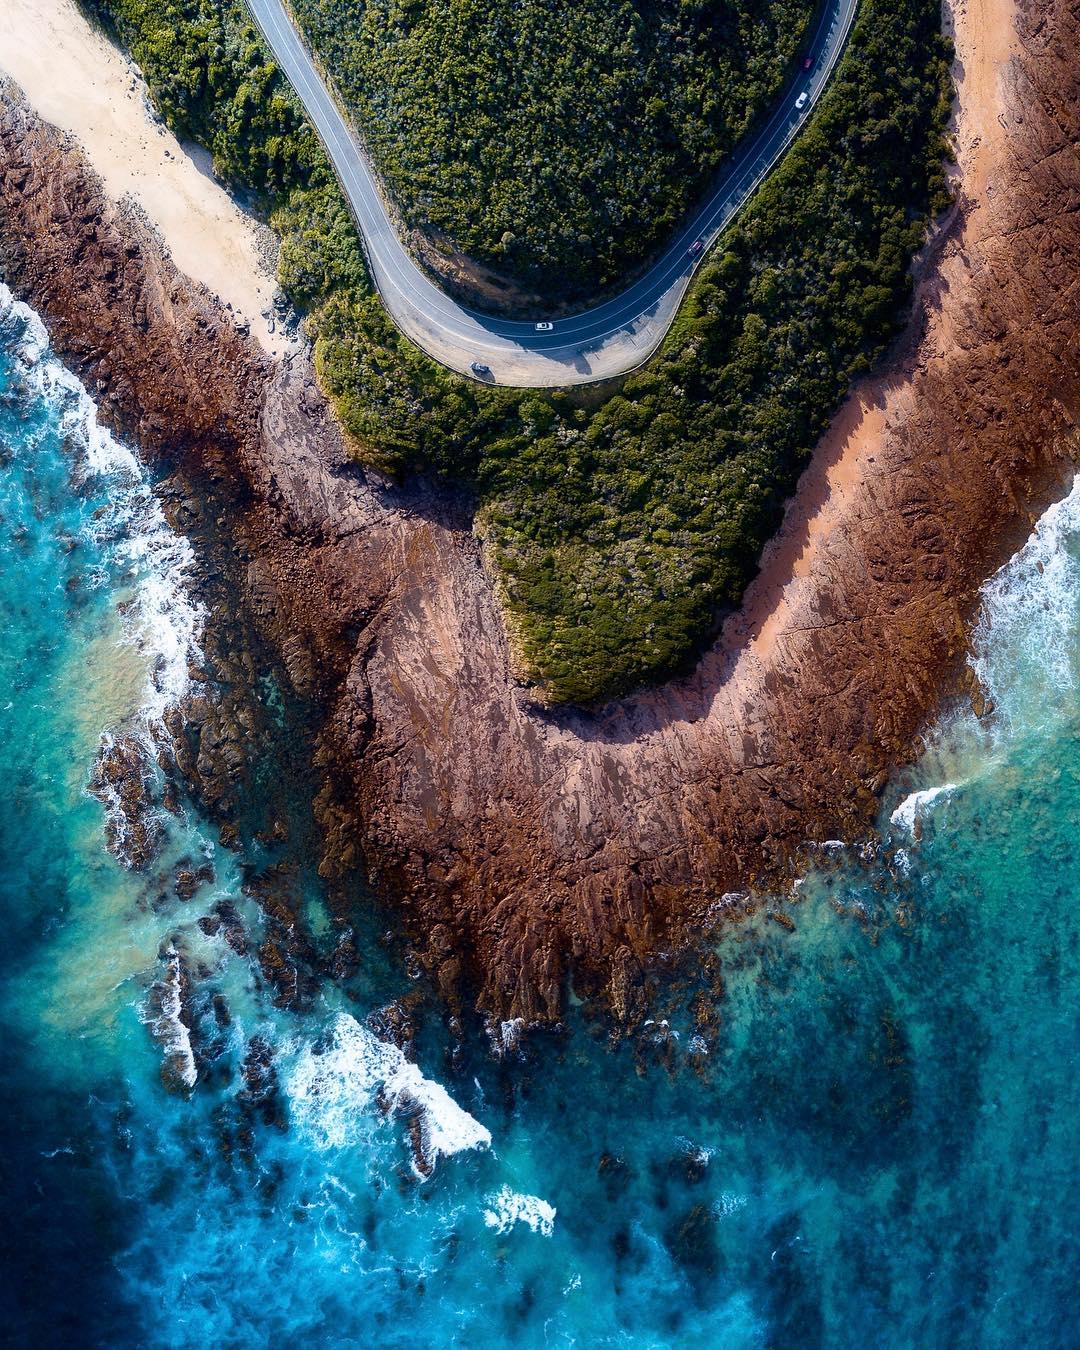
{"x": 76, "y": 79}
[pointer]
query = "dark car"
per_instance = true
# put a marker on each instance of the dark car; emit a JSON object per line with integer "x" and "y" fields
{"x": 478, "y": 368}
{"x": 694, "y": 249}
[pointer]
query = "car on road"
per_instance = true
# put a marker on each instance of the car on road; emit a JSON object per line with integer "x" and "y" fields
{"x": 802, "y": 100}
{"x": 478, "y": 368}
{"x": 695, "y": 248}
{"x": 544, "y": 327}
{"x": 808, "y": 63}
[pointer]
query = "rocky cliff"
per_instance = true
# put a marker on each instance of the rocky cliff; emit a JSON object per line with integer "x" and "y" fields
{"x": 520, "y": 845}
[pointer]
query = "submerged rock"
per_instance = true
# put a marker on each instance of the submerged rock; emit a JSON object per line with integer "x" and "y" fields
{"x": 260, "y": 1098}
{"x": 123, "y": 781}
{"x": 168, "y": 1014}
{"x": 189, "y": 879}
{"x": 692, "y": 1242}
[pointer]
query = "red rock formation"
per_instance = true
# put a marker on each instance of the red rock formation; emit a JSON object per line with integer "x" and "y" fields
{"x": 523, "y": 845}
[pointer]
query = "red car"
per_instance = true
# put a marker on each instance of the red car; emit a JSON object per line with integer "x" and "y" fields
{"x": 808, "y": 63}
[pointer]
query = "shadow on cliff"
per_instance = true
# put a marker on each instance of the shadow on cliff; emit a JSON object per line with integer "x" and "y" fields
{"x": 692, "y": 694}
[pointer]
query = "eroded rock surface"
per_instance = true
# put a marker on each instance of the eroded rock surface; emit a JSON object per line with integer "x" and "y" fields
{"x": 522, "y": 845}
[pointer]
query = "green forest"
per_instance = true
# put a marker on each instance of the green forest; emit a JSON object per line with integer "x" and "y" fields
{"x": 621, "y": 534}
{"x": 557, "y": 142}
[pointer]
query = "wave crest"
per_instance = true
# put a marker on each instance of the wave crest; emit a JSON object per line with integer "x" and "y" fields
{"x": 335, "y": 1084}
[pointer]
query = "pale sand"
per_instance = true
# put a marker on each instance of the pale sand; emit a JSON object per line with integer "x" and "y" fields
{"x": 77, "y": 80}
{"x": 985, "y": 35}
{"x": 837, "y": 486}
{"x": 826, "y": 492}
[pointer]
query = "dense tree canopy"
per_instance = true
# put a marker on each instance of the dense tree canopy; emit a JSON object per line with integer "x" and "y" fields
{"x": 620, "y": 533}
{"x": 556, "y": 141}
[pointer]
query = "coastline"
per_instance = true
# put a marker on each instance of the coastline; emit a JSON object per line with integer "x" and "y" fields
{"x": 833, "y": 483}
{"x": 76, "y": 80}
{"x": 522, "y": 845}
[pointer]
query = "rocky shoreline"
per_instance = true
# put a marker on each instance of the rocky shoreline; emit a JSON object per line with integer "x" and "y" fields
{"x": 524, "y": 847}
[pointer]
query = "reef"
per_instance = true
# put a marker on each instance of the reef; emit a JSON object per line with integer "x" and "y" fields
{"x": 525, "y": 848}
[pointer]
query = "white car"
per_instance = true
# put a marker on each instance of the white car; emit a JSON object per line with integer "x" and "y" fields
{"x": 544, "y": 327}
{"x": 802, "y": 100}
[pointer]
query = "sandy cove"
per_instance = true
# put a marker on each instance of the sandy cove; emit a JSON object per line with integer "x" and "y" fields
{"x": 521, "y": 846}
{"x": 75, "y": 79}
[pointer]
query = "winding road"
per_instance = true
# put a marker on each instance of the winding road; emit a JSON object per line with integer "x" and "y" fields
{"x": 596, "y": 344}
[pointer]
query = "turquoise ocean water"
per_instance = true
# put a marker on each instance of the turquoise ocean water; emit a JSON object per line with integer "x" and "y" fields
{"x": 874, "y": 1141}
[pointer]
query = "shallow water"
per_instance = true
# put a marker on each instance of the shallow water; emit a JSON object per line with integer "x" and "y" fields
{"x": 868, "y": 1135}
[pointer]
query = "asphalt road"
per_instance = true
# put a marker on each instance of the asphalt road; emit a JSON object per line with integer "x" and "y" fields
{"x": 597, "y": 343}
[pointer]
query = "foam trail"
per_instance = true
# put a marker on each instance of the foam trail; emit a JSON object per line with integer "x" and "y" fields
{"x": 334, "y": 1087}
{"x": 163, "y": 621}
{"x": 1024, "y": 644}
{"x": 916, "y": 803}
{"x": 167, "y": 1024}
{"x": 506, "y": 1208}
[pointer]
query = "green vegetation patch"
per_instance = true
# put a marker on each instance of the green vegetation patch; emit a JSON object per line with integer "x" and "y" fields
{"x": 621, "y": 535}
{"x": 555, "y": 141}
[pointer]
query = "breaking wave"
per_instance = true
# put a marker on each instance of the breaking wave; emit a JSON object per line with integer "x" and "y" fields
{"x": 1025, "y": 656}
{"x": 916, "y": 803}
{"x": 336, "y": 1083}
{"x": 161, "y": 620}
{"x": 164, "y": 1015}
{"x": 507, "y": 1207}
{"x": 1024, "y": 644}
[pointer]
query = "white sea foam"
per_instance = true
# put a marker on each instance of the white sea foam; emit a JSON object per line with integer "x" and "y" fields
{"x": 335, "y": 1087}
{"x": 729, "y": 1203}
{"x": 1024, "y": 654}
{"x": 168, "y": 1025}
{"x": 446, "y": 1128}
{"x": 697, "y": 1153}
{"x": 507, "y": 1207}
{"x": 505, "y": 1037}
{"x": 1025, "y": 650}
{"x": 916, "y": 804}
{"x": 163, "y": 621}
{"x": 21, "y": 331}
{"x": 108, "y": 794}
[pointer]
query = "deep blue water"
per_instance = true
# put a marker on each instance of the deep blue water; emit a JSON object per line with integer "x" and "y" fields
{"x": 868, "y": 1136}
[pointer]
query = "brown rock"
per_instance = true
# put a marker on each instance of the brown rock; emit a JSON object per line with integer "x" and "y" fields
{"x": 547, "y": 845}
